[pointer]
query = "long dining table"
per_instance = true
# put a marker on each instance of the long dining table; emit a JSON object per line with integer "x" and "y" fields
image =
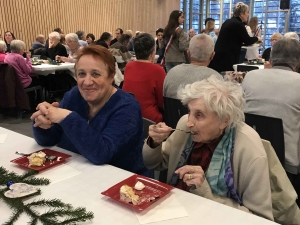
{"x": 45, "y": 69}
{"x": 85, "y": 182}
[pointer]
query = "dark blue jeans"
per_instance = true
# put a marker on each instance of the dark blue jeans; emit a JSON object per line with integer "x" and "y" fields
{"x": 170, "y": 65}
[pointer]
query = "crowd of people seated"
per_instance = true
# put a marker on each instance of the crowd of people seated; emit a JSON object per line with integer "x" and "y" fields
{"x": 213, "y": 154}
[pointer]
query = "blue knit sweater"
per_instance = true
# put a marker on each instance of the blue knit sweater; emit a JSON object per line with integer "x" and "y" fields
{"x": 113, "y": 136}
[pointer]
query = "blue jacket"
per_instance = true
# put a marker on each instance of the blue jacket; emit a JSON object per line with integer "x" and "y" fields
{"x": 113, "y": 136}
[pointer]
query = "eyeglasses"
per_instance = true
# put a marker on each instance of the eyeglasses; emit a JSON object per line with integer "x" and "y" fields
{"x": 274, "y": 40}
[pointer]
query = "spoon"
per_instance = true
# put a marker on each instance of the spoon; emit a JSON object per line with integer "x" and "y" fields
{"x": 188, "y": 132}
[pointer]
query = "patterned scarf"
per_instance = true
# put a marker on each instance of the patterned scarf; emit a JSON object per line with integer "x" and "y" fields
{"x": 219, "y": 174}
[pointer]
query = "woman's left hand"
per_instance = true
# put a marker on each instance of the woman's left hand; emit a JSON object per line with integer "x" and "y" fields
{"x": 56, "y": 115}
{"x": 191, "y": 175}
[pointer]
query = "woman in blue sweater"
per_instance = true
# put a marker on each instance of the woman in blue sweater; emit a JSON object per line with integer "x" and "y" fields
{"x": 94, "y": 119}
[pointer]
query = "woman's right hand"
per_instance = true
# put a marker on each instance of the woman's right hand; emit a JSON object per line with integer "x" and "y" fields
{"x": 40, "y": 116}
{"x": 159, "y": 132}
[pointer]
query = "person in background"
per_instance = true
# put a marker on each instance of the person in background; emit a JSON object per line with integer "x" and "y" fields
{"x": 118, "y": 33}
{"x": 63, "y": 42}
{"x": 90, "y": 38}
{"x": 160, "y": 47}
{"x": 291, "y": 35}
{"x": 39, "y": 42}
{"x": 175, "y": 40}
{"x": 130, "y": 45}
{"x": 145, "y": 79}
{"x": 231, "y": 38}
{"x": 192, "y": 33}
{"x": 8, "y": 38}
{"x": 58, "y": 30}
{"x": 209, "y": 27}
{"x": 201, "y": 52}
{"x": 23, "y": 67}
{"x": 222, "y": 159}
{"x": 217, "y": 31}
{"x": 2, "y": 51}
{"x": 73, "y": 44}
{"x": 55, "y": 47}
{"x": 120, "y": 52}
{"x": 266, "y": 54}
{"x": 253, "y": 29}
{"x": 94, "y": 119}
{"x": 274, "y": 93}
{"x": 82, "y": 38}
{"x": 105, "y": 39}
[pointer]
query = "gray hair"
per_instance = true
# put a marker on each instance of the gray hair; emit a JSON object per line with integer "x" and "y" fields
{"x": 224, "y": 98}
{"x": 286, "y": 51}
{"x": 16, "y": 46}
{"x": 80, "y": 34}
{"x": 201, "y": 47}
{"x": 240, "y": 8}
{"x": 72, "y": 37}
{"x": 54, "y": 34}
{"x": 291, "y": 35}
{"x": 3, "y": 46}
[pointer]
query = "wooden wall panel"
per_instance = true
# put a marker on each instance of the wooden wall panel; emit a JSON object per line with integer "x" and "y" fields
{"x": 28, "y": 18}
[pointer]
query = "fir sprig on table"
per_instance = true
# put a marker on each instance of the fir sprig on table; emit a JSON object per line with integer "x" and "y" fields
{"x": 58, "y": 213}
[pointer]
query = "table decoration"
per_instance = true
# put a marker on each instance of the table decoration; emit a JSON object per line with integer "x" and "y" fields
{"x": 58, "y": 213}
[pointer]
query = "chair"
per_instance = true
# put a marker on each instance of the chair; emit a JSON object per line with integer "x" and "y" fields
{"x": 146, "y": 124}
{"x": 12, "y": 93}
{"x": 173, "y": 111}
{"x": 244, "y": 68}
{"x": 270, "y": 129}
{"x": 242, "y": 55}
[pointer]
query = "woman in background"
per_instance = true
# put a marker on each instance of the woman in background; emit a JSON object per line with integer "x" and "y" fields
{"x": 231, "y": 38}
{"x": 8, "y": 38}
{"x": 2, "y": 51}
{"x": 145, "y": 79}
{"x": 160, "y": 48}
{"x": 90, "y": 38}
{"x": 253, "y": 29}
{"x": 176, "y": 41}
{"x": 267, "y": 52}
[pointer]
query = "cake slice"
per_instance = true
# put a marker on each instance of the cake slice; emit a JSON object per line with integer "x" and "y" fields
{"x": 37, "y": 159}
{"x": 127, "y": 195}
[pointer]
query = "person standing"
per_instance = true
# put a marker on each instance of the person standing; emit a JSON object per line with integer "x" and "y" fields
{"x": 176, "y": 41}
{"x": 231, "y": 38}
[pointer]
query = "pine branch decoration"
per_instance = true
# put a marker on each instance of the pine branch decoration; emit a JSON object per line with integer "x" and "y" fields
{"x": 58, "y": 213}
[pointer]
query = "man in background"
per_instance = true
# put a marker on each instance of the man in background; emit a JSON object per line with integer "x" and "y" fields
{"x": 82, "y": 38}
{"x": 118, "y": 34}
{"x": 192, "y": 33}
{"x": 200, "y": 52}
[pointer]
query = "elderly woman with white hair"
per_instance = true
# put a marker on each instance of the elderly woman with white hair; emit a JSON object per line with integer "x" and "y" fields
{"x": 212, "y": 152}
{"x": 22, "y": 67}
{"x": 291, "y": 35}
{"x": 2, "y": 51}
{"x": 55, "y": 47}
{"x": 72, "y": 42}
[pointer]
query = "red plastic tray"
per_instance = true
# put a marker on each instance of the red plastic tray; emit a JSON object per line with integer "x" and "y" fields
{"x": 24, "y": 162}
{"x": 152, "y": 188}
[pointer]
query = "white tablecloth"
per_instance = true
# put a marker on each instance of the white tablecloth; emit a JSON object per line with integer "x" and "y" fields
{"x": 84, "y": 189}
{"x": 46, "y": 69}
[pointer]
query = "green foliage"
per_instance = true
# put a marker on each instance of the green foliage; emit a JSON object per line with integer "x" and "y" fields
{"x": 58, "y": 213}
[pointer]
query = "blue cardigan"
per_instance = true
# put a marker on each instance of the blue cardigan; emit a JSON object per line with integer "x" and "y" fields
{"x": 113, "y": 136}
